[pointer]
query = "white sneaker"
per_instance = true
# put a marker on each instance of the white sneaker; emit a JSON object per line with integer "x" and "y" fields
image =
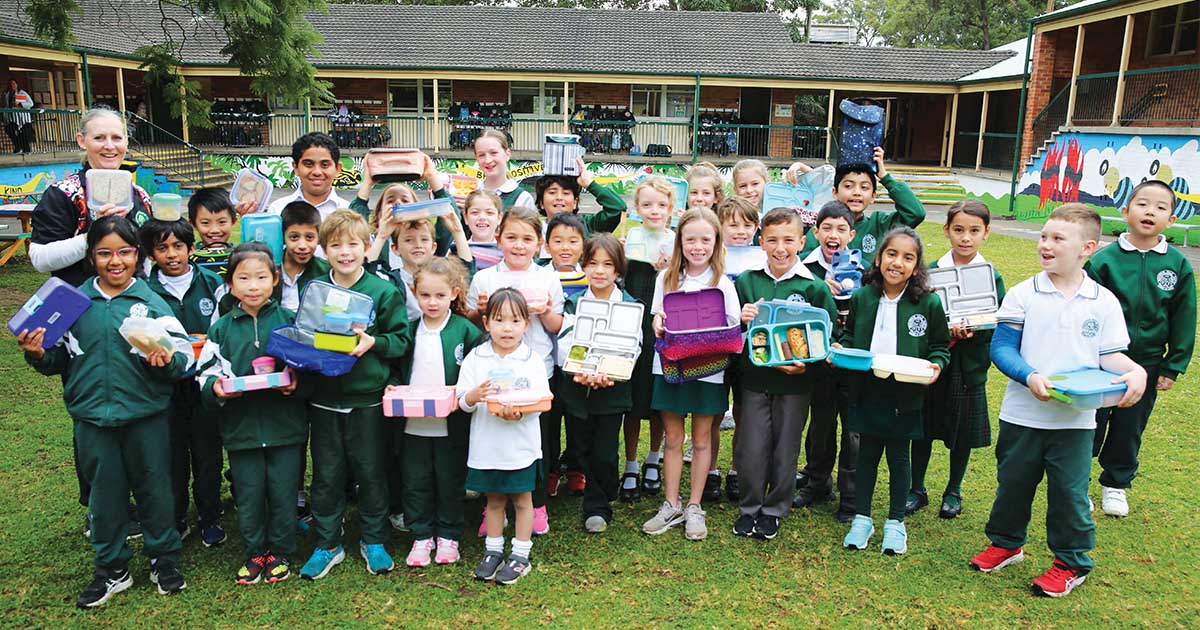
{"x": 1113, "y": 502}
{"x": 1091, "y": 506}
{"x": 419, "y": 555}
{"x": 687, "y": 455}
{"x": 728, "y": 423}
{"x": 694, "y": 525}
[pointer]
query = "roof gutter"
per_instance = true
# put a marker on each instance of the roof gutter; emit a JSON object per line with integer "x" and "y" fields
{"x": 79, "y": 50}
{"x": 1072, "y": 11}
{"x": 1012, "y": 191}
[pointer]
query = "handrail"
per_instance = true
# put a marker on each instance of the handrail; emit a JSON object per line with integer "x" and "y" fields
{"x": 189, "y": 167}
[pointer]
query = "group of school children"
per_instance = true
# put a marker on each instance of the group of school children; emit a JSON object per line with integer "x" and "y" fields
{"x": 441, "y": 319}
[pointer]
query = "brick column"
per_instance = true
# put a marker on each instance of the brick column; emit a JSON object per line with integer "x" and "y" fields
{"x": 780, "y": 145}
{"x": 1041, "y": 79}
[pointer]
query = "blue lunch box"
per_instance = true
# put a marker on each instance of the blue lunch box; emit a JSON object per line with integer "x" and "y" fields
{"x": 294, "y": 344}
{"x": 56, "y": 306}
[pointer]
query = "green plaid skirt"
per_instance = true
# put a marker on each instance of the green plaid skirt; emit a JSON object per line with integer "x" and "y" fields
{"x": 957, "y": 414}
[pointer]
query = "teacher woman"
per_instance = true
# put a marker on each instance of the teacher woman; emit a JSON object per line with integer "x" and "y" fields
{"x": 62, "y": 218}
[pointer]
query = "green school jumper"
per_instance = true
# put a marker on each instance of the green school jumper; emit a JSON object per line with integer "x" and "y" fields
{"x": 195, "y": 439}
{"x": 886, "y": 413}
{"x": 263, "y": 431}
{"x": 435, "y": 468}
{"x": 597, "y": 415}
{"x": 870, "y": 229}
{"x": 348, "y": 428}
{"x": 119, "y": 406}
{"x": 1157, "y": 291}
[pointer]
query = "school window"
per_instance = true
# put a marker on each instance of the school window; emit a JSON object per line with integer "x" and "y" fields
{"x": 646, "y": 100}
{"x": 280, "y": 104}
{"x": 415, "y": 96}
{"x": 1174, "y": 30}
{"x": 681, "y": 101}
{"x": 536, "y": 97}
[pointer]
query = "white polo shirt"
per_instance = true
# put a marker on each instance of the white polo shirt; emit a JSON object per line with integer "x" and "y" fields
{"x": 496, "y": 443}
{"x": 430, "y": 370}
{"x": 1059, "y": 335}
{"x": 326, "y": 208}
{"x": 499, "y": 277}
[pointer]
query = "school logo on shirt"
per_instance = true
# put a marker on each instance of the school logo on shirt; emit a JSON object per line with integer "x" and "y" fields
{"x": 1091, "y": 328}
{"x": 206, "y": 307}
{"x": 917, "y": 325}
{"x": 797, "y": 299}
{"x": 1166, "y": 280}
{"x": 138, "y": 310}
{"x": 458, "y": 353}
{"x": 868, "y": 244}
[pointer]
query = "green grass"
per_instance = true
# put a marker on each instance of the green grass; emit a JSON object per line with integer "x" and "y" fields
{"x": 1146, "y": 575}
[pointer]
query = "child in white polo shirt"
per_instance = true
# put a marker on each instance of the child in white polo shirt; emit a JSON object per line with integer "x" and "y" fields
{"x": 1057, "y": 321}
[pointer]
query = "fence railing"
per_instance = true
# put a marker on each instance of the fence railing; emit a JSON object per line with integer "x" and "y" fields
{"x": 182, "y": 160}
{"x": 997, "y": 150}
{"x": 1053, "y": 116}
{"x": 38, "y": 130}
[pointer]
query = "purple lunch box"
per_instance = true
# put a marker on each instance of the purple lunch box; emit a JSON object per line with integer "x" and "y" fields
{"x": 56, "y": 306}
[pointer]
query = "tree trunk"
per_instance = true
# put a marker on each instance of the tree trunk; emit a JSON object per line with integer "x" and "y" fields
{"x": 984, "y": 24}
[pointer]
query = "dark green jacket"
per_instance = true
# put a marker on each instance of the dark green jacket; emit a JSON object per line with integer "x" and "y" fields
{"x": 316, "y": 268}
{"x": 363, "y": 385}
{"x": 104, "y": 382}
{"x": 258, "y": 419}
{"x": 459, "y": 337}
{"x": 1157, "y": 292}
{"x": 756, "y": 285}
{"x": 198, "y": 308}
{"x": 932, "y": 343}
{"x": 579, "y": 401}
{"x": 973, "y": 355}
{"x": 870, "y": 229}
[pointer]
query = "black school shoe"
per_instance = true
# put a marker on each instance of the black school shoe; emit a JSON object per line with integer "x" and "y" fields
{"x": 105, "y": 584}
{"x": 744, "y": 526}
{"x": 845, "y": 512}
{"x": 951, "y": 505}
{"x": 766, "y": 527}
{"x": 733, "y": 490}
{"x": 651, "y": 486}
{"x": 712, "y": 487}
{"x": 801, "y": 479}
{"x": 917, "y": 499}
{"x": 166, "y": 576}
{"x": 811, "y": 495}
{"x": 629, "y": 495}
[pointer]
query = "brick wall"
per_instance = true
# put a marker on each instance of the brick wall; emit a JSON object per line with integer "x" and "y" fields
{"x": 720, "y": 96}
{"x": 374, "y": 91}
{"x": 230, "y": 87}
{"x": 602, "y": 94}
{"x": 482, "y": 91}
{"x": 780, "y": 143}
{"x": 1041, "y": 82}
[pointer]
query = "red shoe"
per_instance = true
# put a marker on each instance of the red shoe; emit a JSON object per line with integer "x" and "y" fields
{"x": 552, "y": 481}
{"x": 1059, "y": 581}
{"x": 576, "y": 482}
{"x": 994, "y": 558}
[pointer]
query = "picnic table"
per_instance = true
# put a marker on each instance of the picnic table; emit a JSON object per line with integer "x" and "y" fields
{"x": 15, "y": 229}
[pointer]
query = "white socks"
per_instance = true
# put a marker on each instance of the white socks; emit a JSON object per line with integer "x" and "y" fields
{"x": 652, "y": 457}
{"x": 521, "y": 547}
{"x": 630, "y": 483}
{"x": 495, "y": 545}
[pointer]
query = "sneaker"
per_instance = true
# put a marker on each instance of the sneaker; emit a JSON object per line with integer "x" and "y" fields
{"x": 712, "y": 487}
{"x": 801, "y": 479}
{"x": 419, "y": 555}
{"x": 951, "y": 505}
{"x": 687, "y": 455}
{"x": 489, "y": 565}
{"x": 576, "y": 483}
{"x": 917, "y": 499}
{"x": 727, "y": 422}
{"x": 860, "y": 533}
{"x": 278, "y": 569}
{"x": 397, "y": 521}
{"x": 251, "y": 572}
{"x": 1091, "y": 506}
{"x": 166, "y": 576}
{"x": 105, "y": 584}
{"x": 552, "y": 481}
{"x": 212, "y": 535}
{"x": 651, "y": 485}
{"x": 733, "y": 489}
{"x": 694, "y": 526}
{"x": 744, "y": 526}
{"x": 134, "y": 530}
{"x": 447, "y": 551}
{"x": 184, "y": 529}
{"x": 895, "y": 538}
{"x": 541, "y": 521}
{"x": 766, "y": 527}
{"x": 995, "y": 558}
{"x": 321, "y": 561}
{"x": 1059, "y": 581}
{"x": 483, "y": 523}
{"x": 378, "y": 560}
{"x": 630, "y": 494}
{"x": 1113, "y": 502}
{"x": 595, "y": 524}
{"x": 668, "y": 516}
{"x": 516, "y": 568}
{"x": 810, "y": 495}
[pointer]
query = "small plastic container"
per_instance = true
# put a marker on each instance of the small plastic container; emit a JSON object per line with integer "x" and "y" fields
{"x": 338, "y": 323}
{"x": 696, "y": 325}
{"x": 252, "y": 185}
{"x": 422, "y": 209}
{"x": 502, "y": 378}
{"x": 395, "y": 165}
{"x": 784, "y": 333}
{"x": 605, "y": 338}
{"x": 146, "y": 335}
{"x": 646, "y": 245}
{"x": 461, "y": 185}
{"x": 266, "y": 229}
{"x": 256, "y": 382}
{"x": 538, "y": 300}
{"x": 968, "y": 294}
{"x": 109, "y": 186}
{"x": 903, "y": 369}
{"x": 1086, "y": 390}
{"x": 197, "y": 342}
{"x": 522, "y": 401}
{"x": 56, "y": 306}
{"x": 420, "y": 401}
{"x": 560, "y": 153}
{"x": 783, "y": 195}
{"x": 851, "y": 359}
{"x": 334, "y": 342}
{"x": 263, "y": 365}
{"x": 166, "y": 206}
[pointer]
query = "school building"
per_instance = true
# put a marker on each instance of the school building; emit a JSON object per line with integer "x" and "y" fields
{"x": 640, "y": 88}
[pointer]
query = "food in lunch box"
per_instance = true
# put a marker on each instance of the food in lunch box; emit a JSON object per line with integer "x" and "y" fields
{"x": 759, "y": 339}
{"x": 797, "y": 343}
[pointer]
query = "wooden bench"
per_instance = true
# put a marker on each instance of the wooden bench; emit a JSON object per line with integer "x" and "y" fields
{"x": 1187, "y": 229}
{"x": 15, "y": 229}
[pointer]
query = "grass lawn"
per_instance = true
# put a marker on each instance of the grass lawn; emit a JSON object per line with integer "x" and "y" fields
{"x": 1148, "y": 570}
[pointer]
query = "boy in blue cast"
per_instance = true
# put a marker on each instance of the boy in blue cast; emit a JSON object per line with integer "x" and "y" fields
{"x": 1157, "y": 290}
{"x": 1057, "y": 321}
{"x": 193, "y": 295}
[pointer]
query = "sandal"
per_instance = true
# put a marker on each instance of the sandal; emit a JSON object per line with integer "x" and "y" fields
{"x": 629, "y": 495}
{"x": 951, "y": 505}
{"x": 651, "y": 486}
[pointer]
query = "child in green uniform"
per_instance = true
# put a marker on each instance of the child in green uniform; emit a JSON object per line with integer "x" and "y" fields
{"x": 1157, "y": 290}
{"x": 594, "y": 403}
{"x": 854, "y": 185}
{"x": 774, "y": 400}
{"x": 264, "y": 431}
{"x": 956, "y": 409}
{"x": 193, "y": 294}
{"x": 401, "y": 194}
{"x": 213, "y": 217}
{"x": 434, "y": 451}
{"x": 894, "y": 313}
{"x": 560, "y": 193}
{"x": 1055, "y": 322}
{"x": 348, "y": 429}
{"x": 492, "y": 154}
{"x": 301, "y": 225}
{"x": 408, "y": 245}
{"x": 119, "y": 402}
{"x": 565, "y": 234}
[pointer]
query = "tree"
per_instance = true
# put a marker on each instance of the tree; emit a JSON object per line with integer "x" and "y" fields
{"x": 971, "y": 24}
{"x": 866, "y": 16}
{"x": 267, "y": 40}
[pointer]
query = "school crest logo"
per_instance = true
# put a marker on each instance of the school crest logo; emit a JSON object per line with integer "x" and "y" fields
{"x": 206, "y": 307}
{"x": 1091, "y": 328}
{"x": 797, "y": 300}
{"x": 458, "y": 353}
{"x": 917, "y": 325}
{"x": 1166, "y": 280}
{"x": 138, "y": 310}
{"x": 868, "y": 244}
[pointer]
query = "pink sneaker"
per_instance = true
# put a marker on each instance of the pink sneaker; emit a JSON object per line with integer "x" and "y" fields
{"x": 541, "y": 521}
{"x": 419, "y": 556}
{"x": 447, "y": 551}
{"x": 483, "y": 523}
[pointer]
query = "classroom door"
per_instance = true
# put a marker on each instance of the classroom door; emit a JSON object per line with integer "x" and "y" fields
{"x": 755, "y": 110}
